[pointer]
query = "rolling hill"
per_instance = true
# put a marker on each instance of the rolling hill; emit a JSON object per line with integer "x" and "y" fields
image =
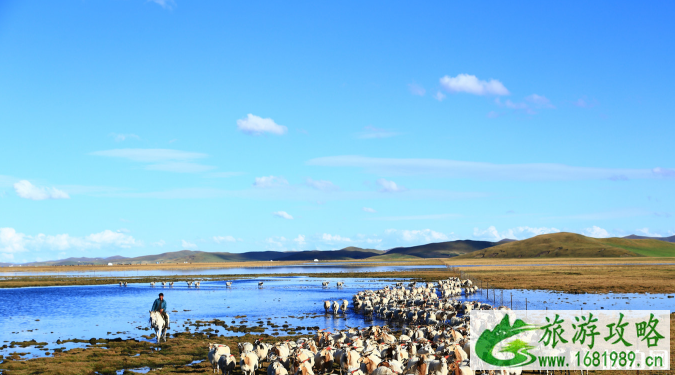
{"x": 635, "y": 237}
{"x": 572, "y": 245}
{"x": 442, "y": 249}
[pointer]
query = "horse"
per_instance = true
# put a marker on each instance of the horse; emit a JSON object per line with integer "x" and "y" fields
{"x": 158, "y": 324}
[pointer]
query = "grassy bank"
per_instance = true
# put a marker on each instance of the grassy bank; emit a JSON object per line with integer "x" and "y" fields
{"x": 577, "y": 278}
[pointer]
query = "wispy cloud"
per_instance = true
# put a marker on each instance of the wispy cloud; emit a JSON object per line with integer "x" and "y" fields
{"x": 12, "y": 241}
{"x": 372, "y": 132}
{"x": 368, "y": 209}
{"x": 118, "y": 137}
{"x": 387, "y": 186}
{"x": 472, "y": 85}
{"x": 323, "y": 185}
{"x": 332, "y": 238}
{"x": 223, "y": 239}
{"x": 188, "y": 245}
{"x": 439, "y": 96}
{"x": 539, "y": 101}
{"x": 418, "y": 235}
{"x": 25, "y": 189}
{"x": 492, "y": 234}
{"x": 416, "y": 89}
{"x": 486, "y": 171}
{"x": 596, "y": 232}
{"x": 270, "y": 182}
{"x": 166, "y": 4}
{"x": 416, "y": 217}
{"x": 255, "y": 125}
{"x": 283, "y": 215}
{"x": 160, "y": 159}
{"x": 300, "y": 239}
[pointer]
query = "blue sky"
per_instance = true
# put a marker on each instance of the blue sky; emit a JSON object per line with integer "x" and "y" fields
{"x": 133, "y": 127}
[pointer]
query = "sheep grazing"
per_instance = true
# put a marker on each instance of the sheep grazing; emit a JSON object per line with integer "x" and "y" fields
{"x": 227, "y": 363}
{"x": 197, "y": 284}
{"x": 260, "y": 284}
{"x": 171, "y": 284}
{"x": 326, "y": 306}
{"x": 325, "y": 283}
{"x": 248, "y": 363}
{"x": 228, "y": 284}
{"x": 340, "y": 284}
{"x": 216, "y": 351}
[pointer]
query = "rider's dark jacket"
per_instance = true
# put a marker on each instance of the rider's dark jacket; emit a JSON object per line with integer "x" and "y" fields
{"x": 159, "y": 304}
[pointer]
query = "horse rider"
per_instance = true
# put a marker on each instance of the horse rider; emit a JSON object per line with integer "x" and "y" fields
{"x": 160, "y": 306}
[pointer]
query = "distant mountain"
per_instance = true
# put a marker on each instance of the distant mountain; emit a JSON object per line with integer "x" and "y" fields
{"x": 81, "y": 260}
{"x": 348, "y": 253}
{"x": 635, "y": 237}
{"x": 442, "y": 249}
{"x": 572, "y": 245}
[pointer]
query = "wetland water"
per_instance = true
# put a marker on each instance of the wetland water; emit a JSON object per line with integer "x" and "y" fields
{"x": 47, "y": 314}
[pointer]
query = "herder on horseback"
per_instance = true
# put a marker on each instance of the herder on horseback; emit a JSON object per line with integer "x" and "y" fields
{"x": 160, "y": 306}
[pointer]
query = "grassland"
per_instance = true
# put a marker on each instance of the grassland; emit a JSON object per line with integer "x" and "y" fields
{"x": 572, "y": 245}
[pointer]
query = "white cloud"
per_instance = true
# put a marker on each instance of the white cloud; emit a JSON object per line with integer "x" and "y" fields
{"x": 387, "y": 186}
{"x": 472, "y": 85}
{"x": 539, "y": 101}
{"x": 416, "y": 89}
{"x": 270, "y": 182}
{"x": 439, "y": 96}
{"x": 334, "y": 238}
{"x": 368, "y": 209}
{"x": 518, "y": 233}
{"x": 121, "y": 137}
{"x": 159, "y": 243}
{"x": 188, "y": 245}
{"x": 12, "y": 241}
{"x": 372, "y": 132}
{"x": 300, "y": 239}
{"x": 283, "y": 215}
{"x": 25, "y": 189}
{"x": 255, "y": 125}
{"x": 221, "y": 239}
{"x": 418, "y": 235}
{"x": 486, "y": 171}
{"x": 648, "y": 233}
{"x": 277, "y": 242}
{"x": 596, "y": 232}
{"x": 322, "y": 185}
{"x": 509, "y": 104}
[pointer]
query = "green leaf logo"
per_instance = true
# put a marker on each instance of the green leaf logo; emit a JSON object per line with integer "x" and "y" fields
{"x": 489, "y": 339}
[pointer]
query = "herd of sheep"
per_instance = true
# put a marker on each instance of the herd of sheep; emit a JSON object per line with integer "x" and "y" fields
{"x": 434, "y": 338}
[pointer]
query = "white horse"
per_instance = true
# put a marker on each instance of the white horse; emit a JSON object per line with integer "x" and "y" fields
{"x": 158, "y": 324}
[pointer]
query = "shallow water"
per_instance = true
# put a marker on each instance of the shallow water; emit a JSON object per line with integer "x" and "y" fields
{"x": 299, "y": 269}
{"x": 47, "y": 314}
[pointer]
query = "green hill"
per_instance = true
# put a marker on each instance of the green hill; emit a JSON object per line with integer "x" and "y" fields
{"x": 442, "y": 249}
{"x": 572, "y": 245}
{"x": 635, "y": 237}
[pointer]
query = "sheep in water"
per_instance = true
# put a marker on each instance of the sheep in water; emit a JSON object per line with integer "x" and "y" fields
{"x": 336, "y": 307}
{"x": 326, "y": 306}
{"x": 121, "y": 283}
{"x": 197, "y": 284}
{"x": 325, "y": 283}
{"x": 152, "y": 284}
{"x": 125, "y": 283}
{"x": 260, "y": 284}
{"x": 340, "y": 284}
{"x": 215, "y": 353}
{"x": 171, "y": 284}
{"x": 189, "y": 283}
{"x": 163, "y": 284}
{"x": 228, "y": 284}
{"x": 345, "y": 303}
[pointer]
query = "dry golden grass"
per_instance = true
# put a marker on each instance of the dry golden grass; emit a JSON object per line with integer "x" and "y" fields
{"x": 578, "y": 278}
